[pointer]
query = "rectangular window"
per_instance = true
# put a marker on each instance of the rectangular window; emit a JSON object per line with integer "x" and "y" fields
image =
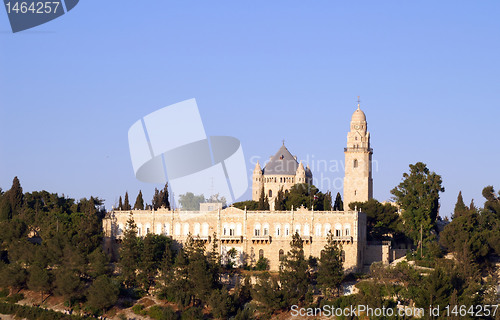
{"x": 257, "y": 232}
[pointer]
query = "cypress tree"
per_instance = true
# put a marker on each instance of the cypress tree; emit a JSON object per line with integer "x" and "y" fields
{"x": 120, "y": 203}
{"x": 327, "y": 201}
{"x": 338, "y": 205}
{"x": 139, "y": 202}
{"x": 16, "y": 194}
{"x": 460, "y": 207}
{"x": 156, "y": 200}
{"x": 164, "y": 197}
{"x": 279, "y": 202}
{"x": 262, "y": 200}
{"x": 126, "y": 203}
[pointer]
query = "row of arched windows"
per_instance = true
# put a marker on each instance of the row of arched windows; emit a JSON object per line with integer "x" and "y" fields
{"x": 236, "y": 229}
{"x": 290, "y": 179}
{"x": 320, "y": 230}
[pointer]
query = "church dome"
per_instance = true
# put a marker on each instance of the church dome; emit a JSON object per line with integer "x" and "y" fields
{"x": 358, "y": 115}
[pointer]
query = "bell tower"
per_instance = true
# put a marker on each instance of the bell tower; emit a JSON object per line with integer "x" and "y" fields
{"x": 358, "y": 181}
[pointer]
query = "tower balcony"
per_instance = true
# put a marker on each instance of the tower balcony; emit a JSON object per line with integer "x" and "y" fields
{"x": 370, "y": 150}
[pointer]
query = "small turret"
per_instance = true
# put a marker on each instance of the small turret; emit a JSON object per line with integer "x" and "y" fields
{"x": 257, "y": 182}
{"x": 300, "y": 174}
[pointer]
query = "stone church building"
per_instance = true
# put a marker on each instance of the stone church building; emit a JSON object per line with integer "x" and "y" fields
{"x": 256, "y": 234}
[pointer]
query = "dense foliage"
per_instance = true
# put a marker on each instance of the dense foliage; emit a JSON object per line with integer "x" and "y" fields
{"x": 52, "y": 246}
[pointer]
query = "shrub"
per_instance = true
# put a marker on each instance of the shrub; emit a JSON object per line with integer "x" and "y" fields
{"x": 4, "y": 293}
{"x": 138, "y": 309}
{"x": 192, "y": 313}
{"x": 162, "y": 313}
{"x": 15, "y": 298}
{"x": 262, "y": 264}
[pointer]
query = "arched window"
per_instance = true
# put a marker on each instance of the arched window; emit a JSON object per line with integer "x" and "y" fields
{"x": 232, "y": 229}
{"x": 225, "y": 229}
{"x": 158, "y": 228}
{"x": 297, "y": 228}
{"x": 120, "y": 229}
{"x": 185, "y": 229}
{"x": 148, "y": 228}
{"x": 347, "y": 228}
{"x": 261, "y": 253}
{"x": 287, "y": 229}
{"x": 338, "y": 230}
{"x": 238, "y": 229}
{"x": 265, "y": 229}
{"x": 166, "y": 229}
{"x": 278, "y": 230}
{"x": 355, "y": 163}
{"x": 328, "y": 228}
{"x": 270, "y": 193}
{"x": 177, "y": 230}
{"x": 204, "y": 229}
{"x": 139, "y": 229}
{"x": 256, "y": 231}
{"x": 307, "y": 232}
{"x": 317, "y": 231}
{"x": 281, "y": 255}
{"x": 197, "y": 228}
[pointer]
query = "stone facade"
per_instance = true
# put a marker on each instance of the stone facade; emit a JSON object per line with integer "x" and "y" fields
{"x": 252, "y": 233}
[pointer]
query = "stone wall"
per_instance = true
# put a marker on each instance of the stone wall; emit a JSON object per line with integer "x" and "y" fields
{"x": 251, "y": 233}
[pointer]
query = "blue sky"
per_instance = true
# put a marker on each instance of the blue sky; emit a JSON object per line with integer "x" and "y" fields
{"x": 428, "y": 74}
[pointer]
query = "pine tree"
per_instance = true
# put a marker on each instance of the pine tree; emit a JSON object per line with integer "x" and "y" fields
{"x": 39, "y": 279}
{"x": 103, "y": 293}
{"x": 330, "y": 273}
{"x": 120, "y": 204}
{"x": 126, "y": 203}
{"x": 339, "y": 205}
{"x": 129, "y": 253}
{"x": 418, "y": 197}
{"x": 139, "y": 202}
{"x": 294, "y": 273}
{"x": 460, "y": 207}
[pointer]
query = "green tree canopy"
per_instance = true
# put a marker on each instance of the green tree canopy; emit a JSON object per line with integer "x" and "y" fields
{"x": 160, "y": 198}
{"x": 294, "y": 273}
{"x": 103, "y": 293}
{"x": 383, "y": 220}
{"x": 418, "y": 197}
{"x": 330, "y": 271}
{"x": 191, "y": 202}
